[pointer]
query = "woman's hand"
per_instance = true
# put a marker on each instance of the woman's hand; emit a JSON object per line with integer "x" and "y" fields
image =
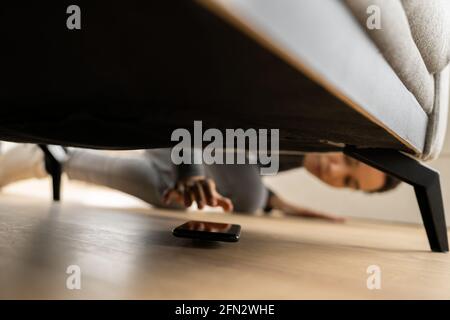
{"x": 197, "y": 189}
{"x": 293, "y": 210}
{"x": 307, "y": 213}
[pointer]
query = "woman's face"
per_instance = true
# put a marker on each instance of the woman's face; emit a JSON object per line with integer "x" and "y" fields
{"x": 341, "y": 171}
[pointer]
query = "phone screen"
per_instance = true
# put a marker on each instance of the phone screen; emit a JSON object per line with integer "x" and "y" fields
{"x": 209, "y": 231}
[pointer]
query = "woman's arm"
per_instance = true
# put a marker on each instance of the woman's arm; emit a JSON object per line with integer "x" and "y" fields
{"x": 275, "y": 202}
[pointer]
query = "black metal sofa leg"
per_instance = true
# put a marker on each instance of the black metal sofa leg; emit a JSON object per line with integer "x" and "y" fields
{"x": 426, "y": 185}
{"x": 54, "y": 168}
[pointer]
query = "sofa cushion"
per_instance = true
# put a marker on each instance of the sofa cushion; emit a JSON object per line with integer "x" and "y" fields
{"x": 397, "y": 44}
{"x": 437, "y": 124}
{"x": 430, "y": 26}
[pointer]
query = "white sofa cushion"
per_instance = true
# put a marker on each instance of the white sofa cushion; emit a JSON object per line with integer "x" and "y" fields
{"x": 415, "y": 39}
{"x": 430, "y": 27}
{"x": 395, "y": 41}
{"x": 437, "y": 123}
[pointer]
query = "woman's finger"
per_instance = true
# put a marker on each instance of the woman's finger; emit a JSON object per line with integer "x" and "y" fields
{"x": 225, "y": 203}
{"x": 209, "y": 190}
{"x": 166, "y": 196}
{"x": 199, "y": 195}
{"x": 188, "y": 197}
{"x": 169, "y": 195}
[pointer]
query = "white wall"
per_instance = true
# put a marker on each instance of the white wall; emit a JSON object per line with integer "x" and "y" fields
{"x": 398, "y": 205}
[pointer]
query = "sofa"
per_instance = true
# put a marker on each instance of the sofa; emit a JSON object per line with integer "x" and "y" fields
{"x": 137, "y": 70}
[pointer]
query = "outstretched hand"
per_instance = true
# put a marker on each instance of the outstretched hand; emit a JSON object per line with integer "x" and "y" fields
{"x": 197, "y": 189}
{"x": 294, "y": 210}
{"x": 307, "y": 213}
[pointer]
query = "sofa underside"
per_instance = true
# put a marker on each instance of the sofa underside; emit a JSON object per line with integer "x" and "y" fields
{"x": 127, "y": 81}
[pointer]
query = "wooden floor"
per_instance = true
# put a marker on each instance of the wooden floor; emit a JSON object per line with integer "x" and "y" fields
{"x": 132, "y": 254}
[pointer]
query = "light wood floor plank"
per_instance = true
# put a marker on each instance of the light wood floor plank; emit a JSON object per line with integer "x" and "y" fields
{"x": 132, "y": 254}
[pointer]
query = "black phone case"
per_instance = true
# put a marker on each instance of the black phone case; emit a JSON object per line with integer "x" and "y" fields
{"x": 209, "y": 236}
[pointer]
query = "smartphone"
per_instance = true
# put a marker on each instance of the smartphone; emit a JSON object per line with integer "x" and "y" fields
{"x": 211, "y": 231}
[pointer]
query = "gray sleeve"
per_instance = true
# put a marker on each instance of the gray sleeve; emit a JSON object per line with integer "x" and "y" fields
{"x": 190, "y": 170}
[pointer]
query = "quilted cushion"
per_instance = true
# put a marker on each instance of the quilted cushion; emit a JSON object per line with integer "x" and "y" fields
{"x": 430, "y": 28}
{"x": 414, "y": 38}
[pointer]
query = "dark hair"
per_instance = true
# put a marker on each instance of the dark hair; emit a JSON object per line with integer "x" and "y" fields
{"x": 390, "y": 183}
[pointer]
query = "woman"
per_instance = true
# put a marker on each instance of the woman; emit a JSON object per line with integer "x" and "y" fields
{"x": 152, "y": 177}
